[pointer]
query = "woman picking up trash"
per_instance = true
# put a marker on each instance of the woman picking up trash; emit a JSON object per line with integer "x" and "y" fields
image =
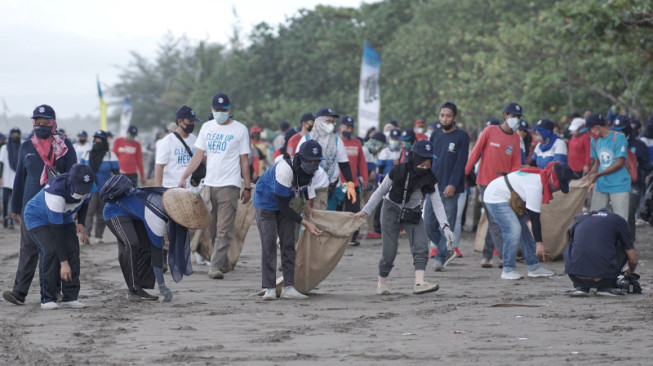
{"x": 402, "y": 192}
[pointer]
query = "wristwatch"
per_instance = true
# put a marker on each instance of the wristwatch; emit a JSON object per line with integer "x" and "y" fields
{"x": 249, "y": 189}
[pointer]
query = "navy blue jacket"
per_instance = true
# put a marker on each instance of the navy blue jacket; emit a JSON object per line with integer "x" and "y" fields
{"x": 451, "y": 151}
{"x": 28, "y": 173}
{"x": 644, "y": 167}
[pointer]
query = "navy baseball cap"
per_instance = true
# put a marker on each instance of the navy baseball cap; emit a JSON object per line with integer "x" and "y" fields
{"x": 621, "y": 122}
{"x": 109, "y": 134}
{"x": 564, "y": 174}
{"x": 493, "y": 121}
{"x": 408, "y": 135}
{"x": 423, "y": 148}
{"x": 379, "y": 136}
{"x": 133, "y": 130}
{"x": 186, "y": 112}
{"x": 221, "y": 101}
{"x": 44, "y": 111}
{"x": 311, "y": 150}
{"x": 393, "y": 122}
{"x": 395, "y": 134}
{"x": 347, "y": 121}
{"x": 514, "y": 109}
{"x": 326, "y": 112}
{"x": 17, "y": 130}
{"x": 290, "y": 132}
{"x": 593, "y": 120}
{"x": 82, "y": 134}
{"x": 308, "y": 116}
{"x": 544, "y": 124}
{"x": 101, "y": 134}
{"x": 523, "y": 125}
{"x": 635, "y": 124}
{"x": 81, "y": 178}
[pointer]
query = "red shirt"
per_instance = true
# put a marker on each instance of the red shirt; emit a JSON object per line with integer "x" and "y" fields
{"x": 578, "y": 155}
{"x": 499, "y": 152}
{"x": 356, "y": 160}
{"x": 292, "y": 143}
{"x": 130, "y": 156}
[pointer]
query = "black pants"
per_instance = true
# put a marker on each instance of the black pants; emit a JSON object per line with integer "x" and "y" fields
{"x": 6, "y": 199}
{"x": 50, "y": 264}
{"x": 136, "y": 253}
{"x": 348, "y": 206}
{"x": 28, "y": 258}
{"x": 270, "y": 224}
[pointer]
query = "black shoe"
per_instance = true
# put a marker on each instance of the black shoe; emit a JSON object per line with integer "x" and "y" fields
{"x": 13, "y": 298}
{"x": 145, "y": 296}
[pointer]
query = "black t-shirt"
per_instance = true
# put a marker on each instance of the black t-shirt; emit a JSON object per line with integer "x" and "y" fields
{"x": 596, "y": 239}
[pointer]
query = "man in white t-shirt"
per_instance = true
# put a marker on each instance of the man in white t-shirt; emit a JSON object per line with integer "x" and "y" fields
{"x": 172, "y": 156}
{"x": 82, "y": 145}
{"x": 335, "y": 158}
{"x": 226, "y": 145}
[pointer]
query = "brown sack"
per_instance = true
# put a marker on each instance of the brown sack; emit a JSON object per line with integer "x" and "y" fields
{"x": 317, "y": 256}
{"x": 556, "y": 218}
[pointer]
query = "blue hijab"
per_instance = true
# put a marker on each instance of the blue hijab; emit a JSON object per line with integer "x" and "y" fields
{"x": 548, "y": 138}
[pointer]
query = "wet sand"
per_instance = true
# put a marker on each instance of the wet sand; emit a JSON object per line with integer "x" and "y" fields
{"x": 218, "y": 322}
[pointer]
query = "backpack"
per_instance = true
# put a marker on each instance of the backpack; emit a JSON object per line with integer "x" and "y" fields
{"x": 116, "y": 187}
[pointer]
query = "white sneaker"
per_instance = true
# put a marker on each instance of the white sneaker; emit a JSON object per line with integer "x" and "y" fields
{"x": 199, "y": 259}
{"x": 75, "y": 304}
{"x": 541, "y": 272}
{"x": 50, "y": 306}
{"x": 438, "y": 266}
{"x": 291, "y": 293}
{"x": 382, "y": 290}
{"x": 512, "y": 275}
{"x": 270, "y": 294}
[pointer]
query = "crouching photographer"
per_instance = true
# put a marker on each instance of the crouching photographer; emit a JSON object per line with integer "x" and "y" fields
{"x": 600, "y": 244}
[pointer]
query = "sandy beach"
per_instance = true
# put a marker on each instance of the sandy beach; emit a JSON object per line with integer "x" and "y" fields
{"x": 475, "y": 318}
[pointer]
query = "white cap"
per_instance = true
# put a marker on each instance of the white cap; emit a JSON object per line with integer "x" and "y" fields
{"x": 576, "y": 124}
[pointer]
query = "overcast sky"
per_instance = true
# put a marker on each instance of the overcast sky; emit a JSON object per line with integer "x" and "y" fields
{"x": 52, "y": 50}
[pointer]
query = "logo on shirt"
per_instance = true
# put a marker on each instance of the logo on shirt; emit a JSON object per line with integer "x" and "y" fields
{"x": 606, "y": 157}
{"x": 509, "y": 150}
{"x": 494, "y": 144}
{"x": 452, "y": 146}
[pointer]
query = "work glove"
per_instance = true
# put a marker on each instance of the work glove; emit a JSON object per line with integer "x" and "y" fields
{"x": 451, "y": 237}
{"x": 351, "y": 192}
{"x": 165, "y": 292}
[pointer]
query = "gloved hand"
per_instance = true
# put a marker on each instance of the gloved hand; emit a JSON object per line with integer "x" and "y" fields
{"x": 165, "y": 291}
{"x": 351, "y": 192}
{"x": 451, "y": 237}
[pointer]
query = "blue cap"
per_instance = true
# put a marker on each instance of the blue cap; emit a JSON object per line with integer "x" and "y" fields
{"x": 393, "y": 122}
{"x": 289, "y": 133}
{"x": 379, "y": 136}
{"x": 523, "y": 125}
{"x": 514, "y": 109}
{"x": 308, "y": 116}
{"x": 81, "y": 178}
{"x": 423, "y": 148}
{"x": 326, "y": 112}
{"x": 133, "y": 130}
{"x": 544, "y": 124}
{"x": 408, "y": 135}
{"x": 564, "y": 174}
{"x": 82, "y": 134}
{"x": 593, "y": 120}
{"x": 44, "y": 111}
{"x": 493, "y": 121}
{"x": 17, "y": 130}
{"x": 347, "y": 121}
{"x": 311, "y": 150}
{"x": 221, "y": 101}
{"x": 100, "y": 134}
{"x": 186, "y": 112}
{"x": 621, "y": 122}
{"x": 395, "y": 134}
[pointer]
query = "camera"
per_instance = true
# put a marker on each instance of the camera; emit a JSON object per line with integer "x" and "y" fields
{"x": 629, "y": 283}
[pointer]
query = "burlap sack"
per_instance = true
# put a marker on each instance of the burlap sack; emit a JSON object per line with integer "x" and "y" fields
{"x": 202, "y": 242}
{"x": 556, "y": 218}
{"x": 317, "y": 256}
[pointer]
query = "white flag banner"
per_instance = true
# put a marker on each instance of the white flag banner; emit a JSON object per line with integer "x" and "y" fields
{"x": 369, "y": 99}
{"x": 125, "y": 116}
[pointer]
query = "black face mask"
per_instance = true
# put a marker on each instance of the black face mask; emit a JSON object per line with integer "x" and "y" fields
{"x": 310, "y": 128}
{"x": 42, "y": 132}
{"x": 309, "y": 169}
{"x": 346, "y": 135}
{"x": 82, "y": 141}
{"x": 447, "y": 128}
{"x": 98, "y": 146}
{"x": 15, "y": 138}
{"x": 188, "y": 128}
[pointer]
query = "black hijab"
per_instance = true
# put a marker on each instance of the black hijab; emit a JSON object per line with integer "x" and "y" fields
{"x": 96, "y": 155}
{"x": 13, "y": 147}
{"x": 299, "y": 177}
{"x": 425, "y": 181}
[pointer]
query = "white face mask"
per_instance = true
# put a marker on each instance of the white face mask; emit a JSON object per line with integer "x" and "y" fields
{"x": 79, "y": 196}
{"x": 328, "y": 127}
{"x": 220, "y": 117}
{"x": 419, "y": 130}
{"x": 513, "y": 122}
{"x": 387, "y": 134}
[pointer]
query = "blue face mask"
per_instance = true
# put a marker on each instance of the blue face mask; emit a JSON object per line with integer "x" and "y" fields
{"x": 42, "y": 132}
{"x": 220, "y": 117}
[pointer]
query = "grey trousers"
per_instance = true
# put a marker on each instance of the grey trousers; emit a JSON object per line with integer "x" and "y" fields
{"x": 618, "y": 201}
{"x": 417, "y": 238}
{"x": 224, "y": 202}
{"x": 493, "y": 238}
{"x": 95, "y": 214}
{"x": 270, "y": 224}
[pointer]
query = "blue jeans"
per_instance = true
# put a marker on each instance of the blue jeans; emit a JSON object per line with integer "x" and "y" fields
{"x": 433, "y": 226}
{"x": 513, "y": 230}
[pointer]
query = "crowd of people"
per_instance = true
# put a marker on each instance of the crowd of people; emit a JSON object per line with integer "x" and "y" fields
{"x": 417, "y": 179}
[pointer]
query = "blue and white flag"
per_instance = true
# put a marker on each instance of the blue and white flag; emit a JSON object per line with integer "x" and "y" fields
{"x": 125, "y": 116}
{"x": 369, "y": 99}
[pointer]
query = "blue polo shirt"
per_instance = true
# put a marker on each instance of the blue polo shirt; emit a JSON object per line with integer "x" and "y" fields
{"x": 52, "y": 205}
{"x": 607, "y": 150}
{"x": 451, "y": 151}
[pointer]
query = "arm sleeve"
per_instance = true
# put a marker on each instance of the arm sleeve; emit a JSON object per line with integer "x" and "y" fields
{"x": 283, "y": 203}
{"x": 438, "y": 207}
{"x": 476, "y": 152}
{"x": 457, "y": 175}
{"x": 346, "y": 171}
{"x": 162, "y": 153}
{"x": 362, "y": 164}
{"x": 81, "y": 215}
{"x": 377, "y": 196}
{"x": 19, "y": 182}
{"x": 58, "y": 235}
{"x": 70, "y": 157}
{"x": 535, "y": 224}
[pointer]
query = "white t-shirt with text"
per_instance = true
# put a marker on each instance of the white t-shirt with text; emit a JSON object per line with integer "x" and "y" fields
{"x": 172, "y": 153}
{"x": 223, "y": 146}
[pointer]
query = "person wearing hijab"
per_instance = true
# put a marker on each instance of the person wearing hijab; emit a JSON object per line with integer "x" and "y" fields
{"x": 104, "y": 164}
{"x": 550, "y": 147}
{"x": 647, "y": 136}
{"x": 274, "y": 216}
{"x": 535, "y": 188}
{"x": 404, "y": 189}
{"x": 49, "y": 221}
{"x": 44, "y": 155}
{"x": 8, "y": 164}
